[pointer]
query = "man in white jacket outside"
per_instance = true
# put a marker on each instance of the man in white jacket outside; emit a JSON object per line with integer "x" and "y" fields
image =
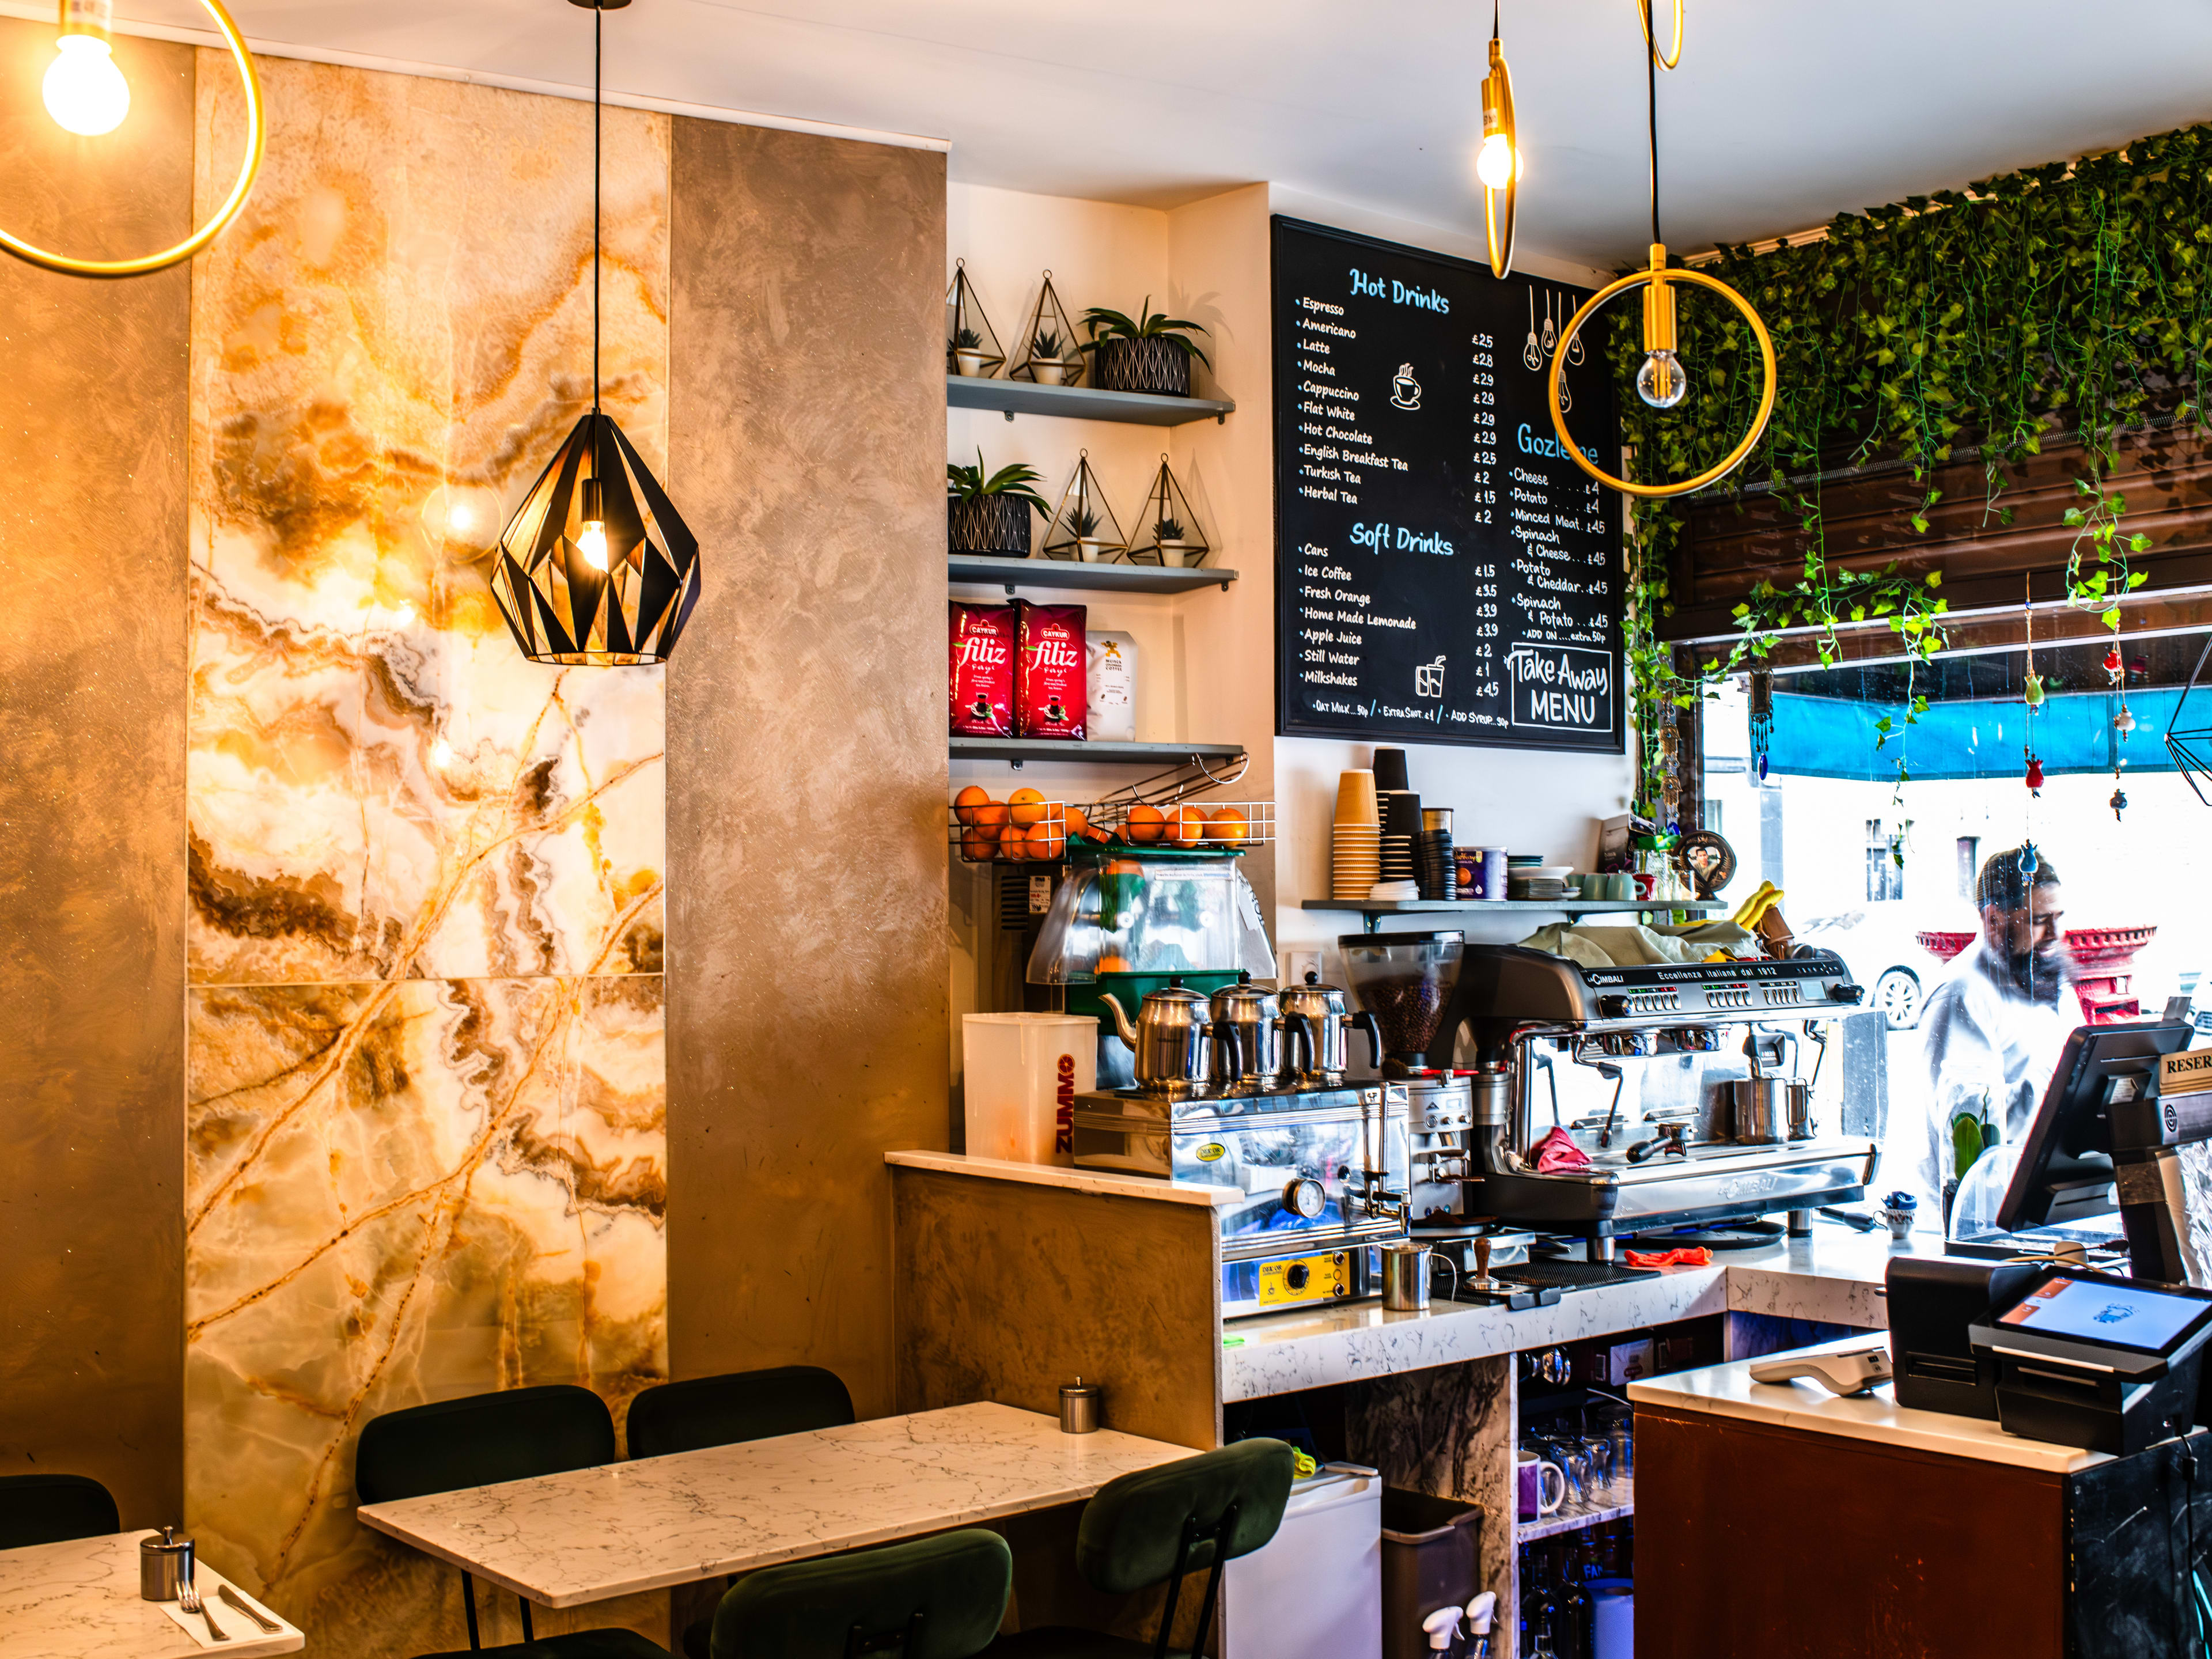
{"x": 1994, "y": 1030}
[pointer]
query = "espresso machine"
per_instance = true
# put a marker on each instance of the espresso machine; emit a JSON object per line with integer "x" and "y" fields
{"x": 1679, "y": 1083}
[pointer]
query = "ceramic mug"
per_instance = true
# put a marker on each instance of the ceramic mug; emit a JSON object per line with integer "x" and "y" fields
{"x": 1535, "y": 1477}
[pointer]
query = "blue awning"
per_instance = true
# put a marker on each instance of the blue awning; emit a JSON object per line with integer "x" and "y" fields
{"x": 1833, "y": 737}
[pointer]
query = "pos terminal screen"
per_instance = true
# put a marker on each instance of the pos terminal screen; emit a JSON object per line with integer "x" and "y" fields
{"x": 2104, "y": 1310}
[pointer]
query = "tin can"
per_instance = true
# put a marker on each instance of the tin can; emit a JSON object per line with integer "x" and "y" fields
{"x": 1079, "y": 1407}
{"x": 1494, "y": 872}
{"x": 164, "y": 1565}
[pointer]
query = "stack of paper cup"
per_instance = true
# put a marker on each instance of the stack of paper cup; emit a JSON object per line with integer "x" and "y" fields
{"x": 1357, "y": 862}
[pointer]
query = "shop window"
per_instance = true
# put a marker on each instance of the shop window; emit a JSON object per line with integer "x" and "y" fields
{"x": 1969, "y": 865}
{"x": 1885, "y": 876}
{"x": 1709, "y": 815}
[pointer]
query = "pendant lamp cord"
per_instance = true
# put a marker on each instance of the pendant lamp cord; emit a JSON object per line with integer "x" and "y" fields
{"x": 1493, "y": 18}
{"x": 599, "y": 21}
{"x": 1651, "y": 107}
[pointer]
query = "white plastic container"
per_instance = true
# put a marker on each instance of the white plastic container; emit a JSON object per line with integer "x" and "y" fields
{"x": 1314, "y": 1590}
{"x": 1022, "y": 1073}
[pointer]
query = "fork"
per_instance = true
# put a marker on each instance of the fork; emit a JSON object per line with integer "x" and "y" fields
{"x": 188, "y": 1598}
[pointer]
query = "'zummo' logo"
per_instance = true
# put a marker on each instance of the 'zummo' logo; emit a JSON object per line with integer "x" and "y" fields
{"x": 1063, "y": 1119}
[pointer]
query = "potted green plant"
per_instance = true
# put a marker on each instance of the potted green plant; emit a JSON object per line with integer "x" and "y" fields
{"x": 1091, "y": 547}
{"x": 1049, "y": 362}
{"x": 1148, "y": 352}
{"x": 988, "y": 513}
{"x": 968, "y": 352}
{"x": 1167, "y": 536}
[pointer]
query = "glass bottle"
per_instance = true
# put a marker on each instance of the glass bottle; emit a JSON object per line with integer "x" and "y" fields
{"x": 1574, "y": 1610}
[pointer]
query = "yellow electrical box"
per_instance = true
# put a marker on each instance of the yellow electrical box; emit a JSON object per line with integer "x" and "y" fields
{"x": 1305, "y": 1278}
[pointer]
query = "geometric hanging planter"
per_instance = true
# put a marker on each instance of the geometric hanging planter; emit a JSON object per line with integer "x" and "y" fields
{"x": 1167, "y": 530}
{"x": 595, "y": 569}
{"x": 1048, "y": 354}
{"x": 2189, "y": 734}
{"x": 1085, "y": 527}
{"x": 971, "y": 348}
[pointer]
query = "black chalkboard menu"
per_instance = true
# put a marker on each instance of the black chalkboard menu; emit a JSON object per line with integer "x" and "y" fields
{"x": 1443, "y": 573}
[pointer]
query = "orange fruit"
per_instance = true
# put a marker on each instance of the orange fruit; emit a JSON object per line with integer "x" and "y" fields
{"x": 965, "y": 803}
{"x": 1014, "y": 845}
{"x": 989, "y": 815}
{"x": 1228, "y": 827}
{"x": 1077, "y": 824}
{"x": 1027, "y": 805}
{"x": 1046, "y": 840}
{"x": 978, "y": 846}
{"x": 1187, "y": 827}
{"x": 1147, "y": 822}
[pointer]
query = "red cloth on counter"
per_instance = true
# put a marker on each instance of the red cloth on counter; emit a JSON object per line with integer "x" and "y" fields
{"x": 1695, "y": 1256}
{"x": 1556, "y": 1151}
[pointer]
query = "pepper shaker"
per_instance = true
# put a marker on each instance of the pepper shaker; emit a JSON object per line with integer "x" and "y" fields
{"x": 164, "y": 1565}
{"x": 1079, "y": 1407}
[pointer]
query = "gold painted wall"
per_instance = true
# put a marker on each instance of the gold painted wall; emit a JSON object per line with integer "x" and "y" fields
{"x": 425, "y": 1139}
{"x": 807, "y": 774}
{"x": 92, "y": 784}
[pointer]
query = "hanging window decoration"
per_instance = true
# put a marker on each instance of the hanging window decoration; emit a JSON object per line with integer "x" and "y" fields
{"x": 1085, "y": 527}
{"x": 2188, "y": 732}
{"x": 596, "y": 570}
{"x": 1050, "y": 354}
{"x": 971, "y": 344}
{"x": 1762, "y": 720}
{"x": 1167, "y": 530}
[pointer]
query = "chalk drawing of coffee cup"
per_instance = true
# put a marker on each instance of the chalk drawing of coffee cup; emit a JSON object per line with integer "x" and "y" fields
{"x": 1405, "y": 390}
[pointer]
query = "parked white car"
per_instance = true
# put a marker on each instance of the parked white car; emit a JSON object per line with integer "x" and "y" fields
{"x": 1880, "y": 943}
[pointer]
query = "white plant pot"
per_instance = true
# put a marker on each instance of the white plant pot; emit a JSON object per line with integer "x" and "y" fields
{"x": 1171, "y": 554}
{"x": 1091, "y": 549}
{"x": 971, "y": 362}
{"x": 1047, "y": 371}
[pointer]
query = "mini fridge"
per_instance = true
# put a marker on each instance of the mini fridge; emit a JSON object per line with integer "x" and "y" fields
{"x": 1315, "y": 1591}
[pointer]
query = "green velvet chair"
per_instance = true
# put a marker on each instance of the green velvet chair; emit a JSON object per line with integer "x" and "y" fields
{"x": 48, "y": 1509}
{"x": 1158, "y": 1525}
{"x": 478, "y": 1441}
{"x": 936, "y": 1598}
{"x": 722, "y": 1411}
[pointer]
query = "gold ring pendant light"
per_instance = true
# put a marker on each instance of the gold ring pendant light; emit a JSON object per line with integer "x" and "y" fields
{"x": 1668, "y": 59}
{"x": 1661, "y": 382}
{"x": 256, "y": 134}
{"x": 1498, "y": 164}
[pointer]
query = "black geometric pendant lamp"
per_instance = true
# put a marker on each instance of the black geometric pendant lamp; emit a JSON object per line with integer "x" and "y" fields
{"x": 596, "y": 570}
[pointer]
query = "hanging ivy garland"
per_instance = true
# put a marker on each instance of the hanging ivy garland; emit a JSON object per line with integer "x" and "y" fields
{"x": 2066, "y": 300}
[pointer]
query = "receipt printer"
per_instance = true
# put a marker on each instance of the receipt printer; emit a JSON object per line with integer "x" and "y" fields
{"x": 2109, "y": 1364}
{"x": 1934, "y": 1301}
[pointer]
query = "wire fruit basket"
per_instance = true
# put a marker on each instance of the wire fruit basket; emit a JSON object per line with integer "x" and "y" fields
{"x": 1026, "y": 829}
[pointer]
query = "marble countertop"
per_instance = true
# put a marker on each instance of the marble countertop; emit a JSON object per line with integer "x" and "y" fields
{"x": 563, "y": 1539}
{"x": 1104, "y": 1181}
{"x": 1727, "y": 1391}
{"x": 79, "y": 1600}
{"x": 1835, "y": 1276}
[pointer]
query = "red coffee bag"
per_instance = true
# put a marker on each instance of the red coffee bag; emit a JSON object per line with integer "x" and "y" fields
{"x": 983, "y": 663}
{"x": 1050, "y": 698}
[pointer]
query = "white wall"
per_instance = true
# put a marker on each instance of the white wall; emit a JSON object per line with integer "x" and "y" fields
{"x": 1207, "y": 660}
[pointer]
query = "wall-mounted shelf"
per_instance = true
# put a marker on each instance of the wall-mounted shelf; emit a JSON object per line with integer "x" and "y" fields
{"x": 1373, "y": 914}
{"x": 1080, "y": 403}
{"x": 1015, "y": 750}
{"x": 1010, "y": 573}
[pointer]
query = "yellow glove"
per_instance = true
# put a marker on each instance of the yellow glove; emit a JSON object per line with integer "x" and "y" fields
{"x": 1303, "y": 1466}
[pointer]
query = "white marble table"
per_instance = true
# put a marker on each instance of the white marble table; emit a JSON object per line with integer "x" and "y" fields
{"x": 565, "y": 1540}
{"x": 79, "y": 1600}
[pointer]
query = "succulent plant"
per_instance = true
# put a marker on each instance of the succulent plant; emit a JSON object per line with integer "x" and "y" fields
{"x": 1167, "y": 530}
{"x": 1147, "y": 325}
{"x": 1083, "y": 522}
{"x": 971, "y": 483}
{"x": 1047, "y": 346}
{"x": 967, "y": 340}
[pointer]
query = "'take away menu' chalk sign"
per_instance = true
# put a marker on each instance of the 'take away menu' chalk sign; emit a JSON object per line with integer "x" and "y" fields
{"x": 1443, "y": 573}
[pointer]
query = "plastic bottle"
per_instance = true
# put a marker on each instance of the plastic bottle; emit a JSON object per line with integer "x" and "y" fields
{"x": 1442, "y": 1627}
{"x": 1481, "y": 1613}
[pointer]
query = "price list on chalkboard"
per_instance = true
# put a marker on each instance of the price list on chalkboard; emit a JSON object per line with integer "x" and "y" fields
{"x": 1444, "y": 573}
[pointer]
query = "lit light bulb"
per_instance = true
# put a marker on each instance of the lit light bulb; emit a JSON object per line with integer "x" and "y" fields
{"x": 84, "y": 90}
{"x": 591, "y": 543}
{"x": 460, "y": 520}
{"x": 1494, "y": 161}
{"x": 1661, "y": 382}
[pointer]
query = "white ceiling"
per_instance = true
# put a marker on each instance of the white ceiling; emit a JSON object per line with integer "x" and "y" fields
{"x": 1783, "y": 113}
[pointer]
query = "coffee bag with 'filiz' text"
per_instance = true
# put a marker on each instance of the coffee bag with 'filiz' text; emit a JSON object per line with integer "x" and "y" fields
{"x": 1049, "y": 696}
{"x": 982, "y": 664}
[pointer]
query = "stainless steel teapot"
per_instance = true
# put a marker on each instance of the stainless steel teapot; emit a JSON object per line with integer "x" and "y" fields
{"x": 1172, "y": 1040}
{"x": 1255, "y": 1046}
{"x": 1329, "y": 1027}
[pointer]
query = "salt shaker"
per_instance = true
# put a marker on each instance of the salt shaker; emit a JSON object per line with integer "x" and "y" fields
{"x": 164, "y": 1565}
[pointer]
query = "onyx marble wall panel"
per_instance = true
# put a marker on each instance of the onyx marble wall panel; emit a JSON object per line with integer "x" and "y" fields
{"x": 807, "y": 779}
{"x": 92, "y": 785}
{"x": 425, "y": 1136}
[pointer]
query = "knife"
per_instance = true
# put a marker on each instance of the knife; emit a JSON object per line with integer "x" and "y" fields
{"x": 252, "y": 1612}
